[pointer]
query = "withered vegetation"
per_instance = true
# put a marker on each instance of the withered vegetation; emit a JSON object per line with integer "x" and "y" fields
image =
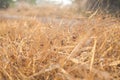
{"x": 33, "y": 50}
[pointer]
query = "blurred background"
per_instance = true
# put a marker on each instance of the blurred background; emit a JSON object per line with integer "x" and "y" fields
{"x": 79, "y": 4}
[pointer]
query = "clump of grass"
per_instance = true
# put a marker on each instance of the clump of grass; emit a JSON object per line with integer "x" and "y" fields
{"x": 32, "y": 50}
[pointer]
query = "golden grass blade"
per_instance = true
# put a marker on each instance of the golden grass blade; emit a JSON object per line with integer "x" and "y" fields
{"x": 93, "y": 54}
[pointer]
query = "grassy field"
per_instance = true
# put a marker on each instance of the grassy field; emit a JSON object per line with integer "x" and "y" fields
{"x": 33, "y": 50}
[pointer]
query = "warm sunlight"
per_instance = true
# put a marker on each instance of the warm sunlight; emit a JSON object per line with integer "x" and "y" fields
{"x": 59, "y": 39}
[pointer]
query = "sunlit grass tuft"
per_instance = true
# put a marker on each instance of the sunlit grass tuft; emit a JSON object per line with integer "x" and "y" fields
{"x": 32, "y": 50}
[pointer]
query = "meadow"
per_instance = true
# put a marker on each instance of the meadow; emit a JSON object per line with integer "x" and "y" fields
{"x": 31, "y": 49}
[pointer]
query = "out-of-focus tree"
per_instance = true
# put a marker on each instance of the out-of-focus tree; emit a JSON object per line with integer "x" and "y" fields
{"x": 106, "y": 5}
{"x": 5, "y": 3}
{"x": 31, "y": 1}
{"x": 28, "y": 1}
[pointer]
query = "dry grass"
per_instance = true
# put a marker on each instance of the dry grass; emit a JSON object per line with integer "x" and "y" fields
{"x": 32, "y": 50}
{"x": 46, "y": 11}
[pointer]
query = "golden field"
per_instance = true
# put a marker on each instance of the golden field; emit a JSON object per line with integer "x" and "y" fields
{"x": 33, "y": 50}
